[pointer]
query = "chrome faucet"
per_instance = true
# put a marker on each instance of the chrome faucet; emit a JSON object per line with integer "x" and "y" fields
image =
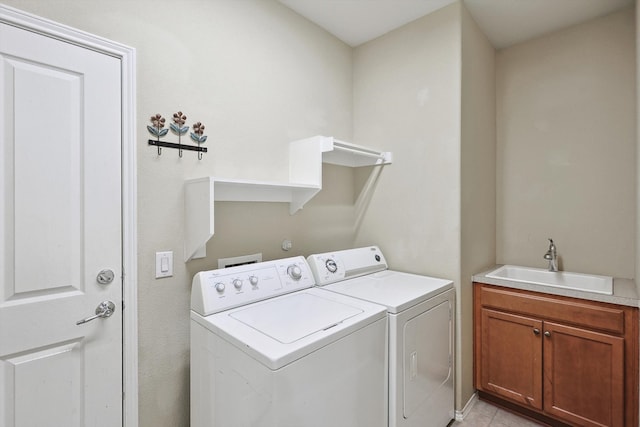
{"x": 552, "y": 256}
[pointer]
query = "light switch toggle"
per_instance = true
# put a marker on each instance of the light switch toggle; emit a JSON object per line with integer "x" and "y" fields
{"x": 164, "y": 264}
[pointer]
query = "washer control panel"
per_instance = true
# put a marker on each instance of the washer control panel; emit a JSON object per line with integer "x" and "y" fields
{"x": 218, "y": 290}
{"x": 336, "y": 266}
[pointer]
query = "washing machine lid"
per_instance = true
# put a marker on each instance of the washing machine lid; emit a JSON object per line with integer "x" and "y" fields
{"x": 281, "y": 330}
{"x": 396, "y": 290}
{"x": 296, "y": 316}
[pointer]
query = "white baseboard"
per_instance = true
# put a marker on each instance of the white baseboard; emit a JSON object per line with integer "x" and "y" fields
{"x": 460, "y": 415}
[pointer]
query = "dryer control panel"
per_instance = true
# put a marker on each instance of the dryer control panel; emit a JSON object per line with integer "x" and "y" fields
{"x": 218, "y": 290}
{"x": 336, "y": 266}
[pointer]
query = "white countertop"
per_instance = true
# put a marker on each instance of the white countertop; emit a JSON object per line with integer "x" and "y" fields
{"x": 624, "y": 290}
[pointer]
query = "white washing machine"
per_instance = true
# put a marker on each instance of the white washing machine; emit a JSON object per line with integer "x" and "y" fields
{"x": 267, "y": 350}
{"x": 421, "y": 330}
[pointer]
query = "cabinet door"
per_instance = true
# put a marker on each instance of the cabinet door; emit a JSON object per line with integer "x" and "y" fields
{"x": 511, "y": 357}
{"x": 584, "y": 376}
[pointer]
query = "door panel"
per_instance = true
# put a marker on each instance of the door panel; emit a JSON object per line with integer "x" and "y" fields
{"x": 578, "y": 359}
{"x": 39, "y": 118}
{"x": 58, "y": 366}
{"x": 512, "y": 357}
{"x": 60, "y": 204}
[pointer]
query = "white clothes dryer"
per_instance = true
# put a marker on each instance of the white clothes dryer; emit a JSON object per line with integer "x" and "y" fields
{"x": 421, "y": 330}
{"x": 268, "y": 350}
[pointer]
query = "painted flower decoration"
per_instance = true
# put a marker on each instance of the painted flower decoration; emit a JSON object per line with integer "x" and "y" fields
{"x": 179, "y": 120}
{"x": 197, "y": 134}
{"x": 158, "y": 125}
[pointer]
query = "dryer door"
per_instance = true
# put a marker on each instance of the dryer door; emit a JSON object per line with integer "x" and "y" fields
{"x": 427, "y": 357}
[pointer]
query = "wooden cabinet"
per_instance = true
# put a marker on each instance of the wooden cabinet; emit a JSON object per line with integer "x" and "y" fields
{"x": 511, "y": 357}
{"x": 557, "y": 358}
{"x": 583, "y": 376}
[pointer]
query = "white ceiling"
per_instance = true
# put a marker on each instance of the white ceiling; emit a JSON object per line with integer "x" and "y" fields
{"x": 505, "y": 22}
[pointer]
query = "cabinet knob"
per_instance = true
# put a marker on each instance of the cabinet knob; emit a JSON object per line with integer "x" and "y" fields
{"x": 536, "y": 331}
{"x": 547, "y": 334}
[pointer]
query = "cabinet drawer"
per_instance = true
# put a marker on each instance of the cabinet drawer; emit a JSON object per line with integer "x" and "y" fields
{"x": 572, "y": 311}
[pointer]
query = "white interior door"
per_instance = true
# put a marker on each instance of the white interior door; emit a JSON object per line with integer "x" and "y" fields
{"x": 60, "y": 225}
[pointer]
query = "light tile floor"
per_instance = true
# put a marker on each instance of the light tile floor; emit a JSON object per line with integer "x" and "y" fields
{"x": 483, "y": 414}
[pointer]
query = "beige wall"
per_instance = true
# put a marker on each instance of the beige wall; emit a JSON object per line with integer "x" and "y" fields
{"x": 566, "y": 148}
{"x": 478, "y": 182}
{"x": 258, "y": 76}
{"x": 407, "y": 87}
{"x": 406, "y": 99}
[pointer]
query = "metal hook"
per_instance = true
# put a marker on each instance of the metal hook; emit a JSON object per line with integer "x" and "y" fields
{"x": 199, "y": 152}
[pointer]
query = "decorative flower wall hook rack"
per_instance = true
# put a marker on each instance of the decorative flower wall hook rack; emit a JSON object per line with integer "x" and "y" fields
{"x": 178, "y": 128}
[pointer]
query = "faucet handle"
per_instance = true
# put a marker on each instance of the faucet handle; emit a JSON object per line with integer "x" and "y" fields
{"x": 551, "y": 244}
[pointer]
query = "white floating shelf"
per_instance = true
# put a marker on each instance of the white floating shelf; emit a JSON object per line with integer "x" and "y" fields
{"x": 347, "y": 154}
{"x": 233, "y": 190}
{"x": 201, "y": 193}
{"x": 305, "y": 181}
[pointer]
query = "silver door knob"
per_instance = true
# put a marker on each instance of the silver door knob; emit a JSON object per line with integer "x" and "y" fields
{"x": 104, "y": 309}
{"x": 547, "y": 334}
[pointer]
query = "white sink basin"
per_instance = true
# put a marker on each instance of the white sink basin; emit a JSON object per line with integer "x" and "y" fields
{"x": 558, "y": 279}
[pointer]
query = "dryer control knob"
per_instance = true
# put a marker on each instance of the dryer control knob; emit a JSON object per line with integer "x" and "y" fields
{"x": 220, "y": 287}
{"x": 294, "y": 272}
{"x": 237, "y": 283}
{"x": 253, "y": 280}
{"x": 331, "y": 265}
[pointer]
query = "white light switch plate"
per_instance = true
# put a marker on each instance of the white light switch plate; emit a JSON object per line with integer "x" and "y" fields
{"x": 164, "y": 264}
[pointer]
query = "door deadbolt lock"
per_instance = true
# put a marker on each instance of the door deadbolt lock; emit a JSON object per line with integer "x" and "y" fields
{"x": 105, "y": 276}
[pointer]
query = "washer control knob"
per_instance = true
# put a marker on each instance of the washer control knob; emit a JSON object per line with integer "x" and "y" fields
{"x": 220, "y": 287}
{"x": 294, "y": 272}
{"x": 331, "y": 265}
{"x": 237, "y": 283}
{"x": 253, "y": 280}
